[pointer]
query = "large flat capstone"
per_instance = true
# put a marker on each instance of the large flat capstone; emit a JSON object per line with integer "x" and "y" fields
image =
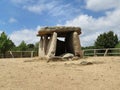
{"x": 61, "y": 30}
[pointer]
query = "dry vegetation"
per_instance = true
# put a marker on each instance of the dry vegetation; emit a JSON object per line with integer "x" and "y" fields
{"x": 33, "y": 74}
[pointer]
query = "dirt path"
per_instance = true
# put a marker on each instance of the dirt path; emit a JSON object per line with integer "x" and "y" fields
{"x": 103, "y": 74}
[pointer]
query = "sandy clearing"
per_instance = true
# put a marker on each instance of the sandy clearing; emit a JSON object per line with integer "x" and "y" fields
{"x": 104, "y": 74}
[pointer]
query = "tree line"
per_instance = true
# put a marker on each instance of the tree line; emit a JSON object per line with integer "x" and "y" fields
{"x": 6, "y": 44}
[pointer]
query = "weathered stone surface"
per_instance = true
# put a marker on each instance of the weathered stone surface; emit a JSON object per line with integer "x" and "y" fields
{"x": 41, "y": 48}
{"x": 67, "y": 55}
{"x": 52, "y": 45}
{"x": 86, "y": 63}
{"x": 75, "y": 58}
{"x": 73, "y": 44}
{"x": 55, "y": 58}
{"x": 76, "y": 44}
{"x": 62, "y": 30}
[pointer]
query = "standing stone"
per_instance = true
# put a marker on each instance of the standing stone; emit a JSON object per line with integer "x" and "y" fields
{"x": 52, "y": 45}
{"x": 41, "y": 48}
{"x": 76, "y": 44}
{"x": 45, "y": 43}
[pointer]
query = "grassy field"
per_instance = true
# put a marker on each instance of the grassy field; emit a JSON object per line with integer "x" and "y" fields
{"x": 34, "y": 74}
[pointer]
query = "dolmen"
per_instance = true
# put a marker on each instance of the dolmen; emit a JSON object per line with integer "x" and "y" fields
{"x": 59, "y": 42}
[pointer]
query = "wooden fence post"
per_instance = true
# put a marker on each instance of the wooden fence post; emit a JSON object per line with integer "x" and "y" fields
{"x": 32, "y": 53}
{"x": 106, "y": 51}
{"x": 11, "y": 54}
{"x": 94, "y": 52}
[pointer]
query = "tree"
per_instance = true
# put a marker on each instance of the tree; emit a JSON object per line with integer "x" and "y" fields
{"x": 117, "y": 45}
{"x": 106, "y": 40}
{"x": 30, "y": 47}
{"x": 36, "y": 46}
{"x": 5, "y": 44}
{"x": 22, "y": 46}
{"x": 88, "y": 47}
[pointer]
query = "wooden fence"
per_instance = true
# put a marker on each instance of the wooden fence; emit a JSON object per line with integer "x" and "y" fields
{"x": 86, "y": 52}
{"x": 102, "y": 52}
{"x": 20, "y": 54}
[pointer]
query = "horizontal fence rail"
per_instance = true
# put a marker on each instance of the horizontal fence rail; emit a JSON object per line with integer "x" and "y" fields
{"x": 19, "y": 54}
{"x": 102, "y": 52}
{"x": 86, "y": 52}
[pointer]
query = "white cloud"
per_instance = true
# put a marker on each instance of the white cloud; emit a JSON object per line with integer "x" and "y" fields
{"x": 89, "y": 39}
{"x": 35, "y": 8}
{"x": 39, "y": 7}
{"x": 12, "y": 20}
{"x": 92, "y": 27}
{"x": 28, "y": 35}
{"x": 53, "y": 8}
{"x": 59, "y": 9}
{"x": 98, "y": 5}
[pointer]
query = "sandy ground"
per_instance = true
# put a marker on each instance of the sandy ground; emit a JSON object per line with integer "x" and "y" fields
{"x": 24, "y": 74}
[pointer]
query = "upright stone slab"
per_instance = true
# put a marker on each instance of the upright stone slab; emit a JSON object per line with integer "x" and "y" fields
{"x": 41, "y": 48}
{"x": 52, "y": 45}
{"x": 45, "y": 43}
{"x": 76, "y": 44}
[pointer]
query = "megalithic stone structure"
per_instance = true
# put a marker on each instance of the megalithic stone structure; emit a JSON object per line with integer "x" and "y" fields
{"x": 76, "y": 44}
{"x": 41, "y": 48}
{"x": 51, "y": 46}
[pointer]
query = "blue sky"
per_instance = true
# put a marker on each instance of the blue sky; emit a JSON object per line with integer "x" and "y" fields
{"x": 21, "y": 19}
